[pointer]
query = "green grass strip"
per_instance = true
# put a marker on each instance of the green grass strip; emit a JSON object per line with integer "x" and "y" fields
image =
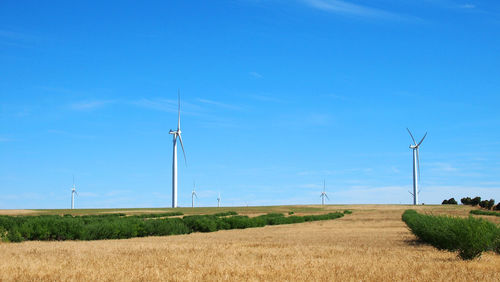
{"x": 480, "y": 212}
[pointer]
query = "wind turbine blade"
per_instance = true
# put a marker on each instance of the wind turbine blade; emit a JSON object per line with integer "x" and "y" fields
{"x": 183, "y": 152}
{"x": 327, "y": 196}
{"x": 411, "y": 135}
{"x": 422, "y": 139}
{"x": 411, "y": 193}
{"x": 179, "y": 109}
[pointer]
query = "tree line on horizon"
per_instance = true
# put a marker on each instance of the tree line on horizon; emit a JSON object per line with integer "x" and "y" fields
{"x": 476, "y": 201}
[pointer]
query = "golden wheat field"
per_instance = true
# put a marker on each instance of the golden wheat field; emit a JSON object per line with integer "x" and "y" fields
{"x": 372, "y": 244}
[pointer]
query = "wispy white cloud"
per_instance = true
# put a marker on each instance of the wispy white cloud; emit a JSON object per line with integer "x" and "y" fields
{"x": 165, "y": 105}
{"x": 117, "y": 193}
{"x": 218, "y": 104}
{"x": 16, "y": 39}
{"x": 310, "y": 186}
{"x": 442, "y": 167}
{"x": 467, "y": 6}
{"x": 68, "y": 134}
{"x": 356, "y": 171}
{"x": 90, "y": 105}
{"x": 337, "y": 97}
{"x": 88, "y": 194}
{"x": 23, "y": 196}
{"x": 347, "y": 8}
{"x": 266, "y": 98}
{"x": 395, "y": 169}
{"x": 319, "y": 119}
{"x": 255, "y": 74}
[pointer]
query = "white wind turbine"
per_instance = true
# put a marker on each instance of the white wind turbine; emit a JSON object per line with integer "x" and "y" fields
{"x": 416, "y": 166}
{"x": 323, "y": 194}
{"x": 193, "y": 194}
{"x": 176, "y": 134}
{"x": 73, "y": 192}
{"x": 218, "y": 201}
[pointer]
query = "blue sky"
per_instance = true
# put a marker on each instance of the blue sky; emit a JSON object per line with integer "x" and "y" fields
{"x": 276, "y": 96}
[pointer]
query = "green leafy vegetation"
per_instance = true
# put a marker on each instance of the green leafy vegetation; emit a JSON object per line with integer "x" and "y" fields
{"x": 347, "y": 212}
{"x": 119, "y": 226}
{"x": 471, "y": 202}
{"x": 481, "y": 212}
{"x": 451, "y": 201}
{"x": 487, "y": 204}
{"x": 469, "y": 236}
{"x": 226, "y": 213}
{"x": 156, "y": 215}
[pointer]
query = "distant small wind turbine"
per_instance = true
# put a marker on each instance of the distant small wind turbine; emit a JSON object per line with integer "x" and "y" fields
{"x": 416, "y": 166}
{"x": 193, "y": 194}
{"x": 176, "y": 134}
{"x": 73, "y": 192}
{"x": 323, "y": 194}
{"x": 218, "y": 201}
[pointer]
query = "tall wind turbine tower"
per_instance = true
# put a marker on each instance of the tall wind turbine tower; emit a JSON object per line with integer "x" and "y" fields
{"x": 176, "y": 134}
{"x": 323, "y": 194}
{"x": 416, "y": 166}
{"x": 73, "y": 192}
{"x": 193, "y": 194}
{"x": 218, "y": 201}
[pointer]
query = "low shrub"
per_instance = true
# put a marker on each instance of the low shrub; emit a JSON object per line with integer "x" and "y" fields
{"x": 156, "y": 215}
{"x": 480, "y": 212}
{"x": 347, "y": 212}
{"x": 469, "y": 236}
{"x": 226, "y": 213}
{"x": 117, "y": 226}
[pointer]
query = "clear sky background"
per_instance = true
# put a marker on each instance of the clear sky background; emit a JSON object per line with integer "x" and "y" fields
{"x": 276, "y": 97}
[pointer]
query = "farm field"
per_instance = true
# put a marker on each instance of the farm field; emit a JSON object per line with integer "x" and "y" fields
{"x": 370, "y": 244}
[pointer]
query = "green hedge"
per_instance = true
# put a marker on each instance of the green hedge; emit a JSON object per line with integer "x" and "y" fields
{"x": 469, "y": 236}
{"x": 98, "y": 227}
{"x": 156, "y": 215}
{"x": 226, "y": 213}
{"x": 480, "y": 212}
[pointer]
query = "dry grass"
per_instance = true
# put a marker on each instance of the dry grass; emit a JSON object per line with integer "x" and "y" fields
{"x": 371, "y": 244}
{"x": 18, "y": 212}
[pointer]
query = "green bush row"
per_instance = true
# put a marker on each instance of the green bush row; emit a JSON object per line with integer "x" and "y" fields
{"x": 485, "y": 204}
{"x": 21, "y": 228}
{"x": 156, "y": 215}
{"x": 469, "y": 236}
{"x": 226, "y": 213}
{"x": 480, "y": 212}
